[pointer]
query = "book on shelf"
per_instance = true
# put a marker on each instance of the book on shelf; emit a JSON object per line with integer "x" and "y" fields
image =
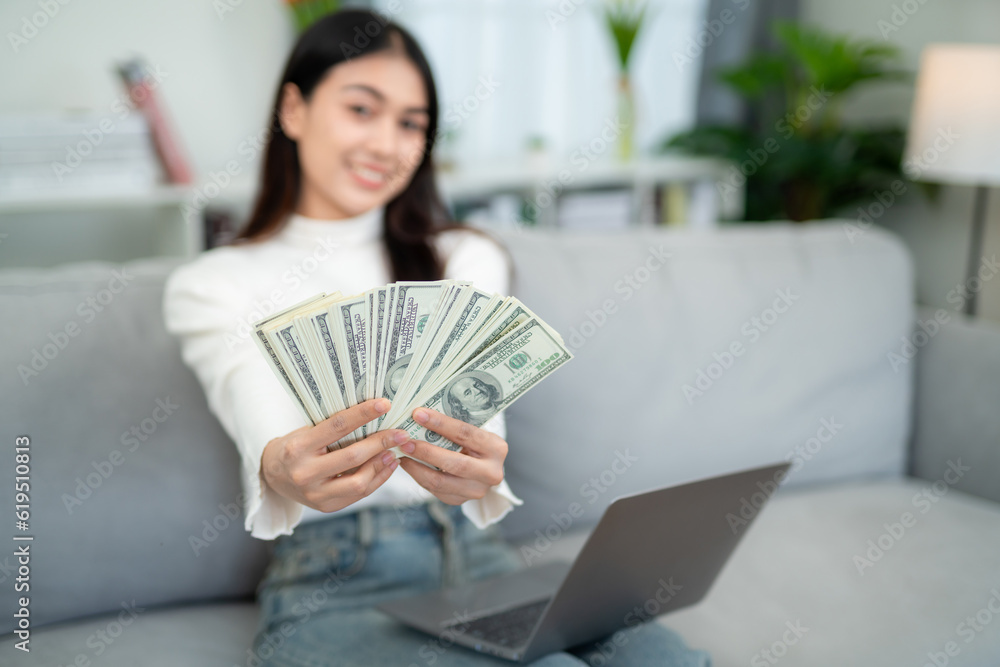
{"x": 143, "y": 94}
{"x": 60, "y": 152}
{"x": 595, "y": 210}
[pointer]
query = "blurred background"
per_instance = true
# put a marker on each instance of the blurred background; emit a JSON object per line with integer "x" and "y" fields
{"x": 134, "y": 129}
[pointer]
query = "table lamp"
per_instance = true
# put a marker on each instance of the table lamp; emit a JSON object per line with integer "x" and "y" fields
{"x": 954, "y": 134}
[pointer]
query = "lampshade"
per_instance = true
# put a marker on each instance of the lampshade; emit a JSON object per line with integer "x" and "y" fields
{"x": 954, "y": 132}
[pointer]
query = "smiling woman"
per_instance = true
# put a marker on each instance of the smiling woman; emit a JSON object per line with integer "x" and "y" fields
{"x": 347, "y": 193}
{"x": 353, "y": 127}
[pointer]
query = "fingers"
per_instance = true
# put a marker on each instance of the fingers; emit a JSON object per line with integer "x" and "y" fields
{"x": 449, "y": 488}
{"x": 485, "y": 471}
{"x": 358, "y": 484}
{"x": 473, "y": 439}
{"x": 347, "y": 421}
{"x": 341, "y": 461}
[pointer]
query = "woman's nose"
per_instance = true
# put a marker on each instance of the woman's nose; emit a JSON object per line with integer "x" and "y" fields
{"x": 384, "y": 138}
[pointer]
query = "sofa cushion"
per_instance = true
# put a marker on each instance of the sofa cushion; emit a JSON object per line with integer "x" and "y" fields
{"x": 209, "y": 635}
{"x": 795, "y": 566}
{"x": 702, "y": 353}
{"x": 134, "y": 490}
{"x": 806, "y": 563}
{"x": 957, "y": 399}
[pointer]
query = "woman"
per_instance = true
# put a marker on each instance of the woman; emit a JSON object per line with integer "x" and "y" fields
{"x": 348, "y": 202}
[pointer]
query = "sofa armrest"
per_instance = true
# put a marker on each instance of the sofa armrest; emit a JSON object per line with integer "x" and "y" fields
{"x": 957, "y": 402}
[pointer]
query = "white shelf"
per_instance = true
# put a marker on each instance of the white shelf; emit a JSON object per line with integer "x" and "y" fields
{"x": 542, "y": 174}
{"x": 466, "y": 181}
{"x": 161, "y": 195}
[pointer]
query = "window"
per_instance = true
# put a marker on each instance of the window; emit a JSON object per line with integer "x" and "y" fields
{"x": 510, "y": 70}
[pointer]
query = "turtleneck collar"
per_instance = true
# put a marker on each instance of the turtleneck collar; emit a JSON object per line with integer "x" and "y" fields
{"x": 307, "y": 232}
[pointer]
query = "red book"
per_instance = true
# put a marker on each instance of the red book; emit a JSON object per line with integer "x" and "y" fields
{"x": 143, "y": 95}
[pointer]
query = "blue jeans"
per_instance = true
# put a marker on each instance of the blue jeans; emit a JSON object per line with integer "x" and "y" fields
{"x": 318, "y": 594}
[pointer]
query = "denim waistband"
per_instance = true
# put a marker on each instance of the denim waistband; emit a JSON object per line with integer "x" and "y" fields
{"x": 368, "y": 525}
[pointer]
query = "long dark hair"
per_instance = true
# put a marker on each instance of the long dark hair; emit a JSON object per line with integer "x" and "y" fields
{"x": 414, "y": 215}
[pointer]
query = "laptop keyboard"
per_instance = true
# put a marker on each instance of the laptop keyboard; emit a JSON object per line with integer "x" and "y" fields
{"x": 511, "y": 627}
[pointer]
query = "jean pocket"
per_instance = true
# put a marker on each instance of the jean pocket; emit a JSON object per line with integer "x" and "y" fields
{"x": 314, "y": 560}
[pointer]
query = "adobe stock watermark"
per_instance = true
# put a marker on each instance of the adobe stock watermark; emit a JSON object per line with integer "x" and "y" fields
{"x": 32, "y": 24}
{"x": 749, "y": 508}
{"x": 432, "y": 649}
{"x": 737, "y": 175}
{"x": 88, "y": 309}
{"x": 899, "y": 17}
{"x": 711, "y": 30}
{"x": 131, "y": 440}
{"x": 591, "y": 490}
{"x": 562, "y": 12}
{"x": 757, "y": 157}
{"x": 293, "y": 277}
{"x": 462, "y": 110}
{"x": 627, "y": 286}
{"x": 582, "y": 157}
{"x": 968, "y": 629}
{"x": 122, "y": 107}
{"x": 927, "y": 329}
{"x": 212, "y": 528}
{"x": 828, "y": 428}
{"x": 923, "y": 502}
{"x": 223, "y": 8}
{"x": 913, "y": 168}
{"x": 217, "y": 182}
{"x": 604, "y": 651}
{"x": 779, "y": 648}
{"x": 752, "y": 330}
{"x": 103, "y": 638}
{"x": 302, "y": 610}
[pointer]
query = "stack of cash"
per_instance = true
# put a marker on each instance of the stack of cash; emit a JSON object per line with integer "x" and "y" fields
{"x": 444, "y": 345}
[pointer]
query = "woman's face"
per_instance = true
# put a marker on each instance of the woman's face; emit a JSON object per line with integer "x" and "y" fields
{"x": 361, "y": 135}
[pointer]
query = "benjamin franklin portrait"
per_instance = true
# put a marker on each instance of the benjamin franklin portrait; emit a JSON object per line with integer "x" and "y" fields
{"x": 473, "y": 397}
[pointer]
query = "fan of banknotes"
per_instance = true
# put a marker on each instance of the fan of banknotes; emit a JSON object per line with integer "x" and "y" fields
{"x": 445, "y": 345}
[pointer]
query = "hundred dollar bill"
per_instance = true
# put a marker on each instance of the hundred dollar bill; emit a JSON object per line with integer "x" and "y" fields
{"x": 473, "y": 310}
{"x": 428, "y": 344}
{"x": 352, "y": 322}
{"x": 412, "y": 309}
{"x": 291, "y": 344}
{"x": 493, "y": 380}
{"x": 294, "y": 389}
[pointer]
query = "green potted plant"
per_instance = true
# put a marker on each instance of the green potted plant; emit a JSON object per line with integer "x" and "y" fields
{"x": 305, "y": 12}
{"x": 799, "y": 159}
{"x": 623, "y": 20}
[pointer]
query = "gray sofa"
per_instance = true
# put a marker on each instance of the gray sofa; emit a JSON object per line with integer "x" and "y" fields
{"x": 697, "y": 354}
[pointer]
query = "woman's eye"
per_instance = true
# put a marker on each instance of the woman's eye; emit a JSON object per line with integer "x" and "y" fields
{"x": 360, "y": 110}
{"x": 410, "y": 125}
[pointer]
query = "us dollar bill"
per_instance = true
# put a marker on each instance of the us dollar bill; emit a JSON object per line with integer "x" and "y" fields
{"x": 351, "y": 316}
{"x": 494, "y": 379}
{"x": 289, "y": 339}
{"x": 412, "y": 310}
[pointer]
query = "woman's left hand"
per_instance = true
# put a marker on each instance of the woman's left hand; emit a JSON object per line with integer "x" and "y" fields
{"x": 464, "y": 475}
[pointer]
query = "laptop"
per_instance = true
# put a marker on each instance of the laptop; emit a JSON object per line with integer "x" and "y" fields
{"x": 651, "y": 553}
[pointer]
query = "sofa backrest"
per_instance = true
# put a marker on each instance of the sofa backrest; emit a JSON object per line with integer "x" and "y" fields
{"x": 134, "y": 487}
{"x": 703, "y": 353}
{"x": 126, "y": 462}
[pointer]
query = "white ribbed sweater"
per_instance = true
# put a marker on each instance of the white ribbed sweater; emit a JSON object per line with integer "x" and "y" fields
{"x": 211, "y": 303}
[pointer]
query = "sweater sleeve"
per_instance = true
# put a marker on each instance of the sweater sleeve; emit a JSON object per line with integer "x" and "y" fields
{"x": 212, "y": 317}
{"x": 483, "y": 261}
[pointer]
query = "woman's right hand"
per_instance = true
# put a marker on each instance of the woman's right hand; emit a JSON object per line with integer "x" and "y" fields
{"x": 299, "y": 467}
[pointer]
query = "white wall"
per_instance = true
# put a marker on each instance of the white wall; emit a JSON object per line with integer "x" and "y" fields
{"x": 937, "y": 233}
{"x": 219, "y": 70}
